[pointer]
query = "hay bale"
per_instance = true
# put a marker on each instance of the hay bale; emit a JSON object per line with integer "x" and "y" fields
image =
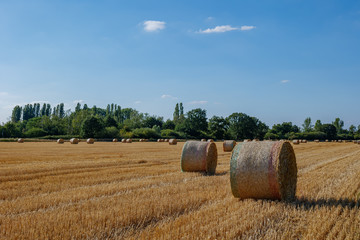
{"x": 316, "y": 140}
{"x": 115, "y": 140}
{"x": 123, "y": 140}
{"x": 228, "y": 145}
{"x": 255, "y": 140}
{"x": 172, "y": 141}
{"x": 203, "y": 140}
{"x": 247, "y": 140}
{"x": 90, "y": 141}
{"x": 74, "y": 141}
{"x": 60, "y": 141}
{"x": 166, "y": 140}
{"x": 20, "y": 140}
{"x": 210, "y": 140}
{"x": 296, "y": 141}
{"x": 263, "y": 170}
{"x": 339, "y": 140}
{"x": 303, "y": 141}
{"x": 199, "y": 157}
{"x": 129, "y": 140}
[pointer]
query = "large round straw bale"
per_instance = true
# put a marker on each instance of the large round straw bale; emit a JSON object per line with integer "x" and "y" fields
{"x": 255, "y": 140}
{"x": 115, "y": 140}
{"x": 90, "y": 141}
{"x": 247, "y": 140}
{"x": 263, "y": 170}
{"x": 303, "y": 141}
{"x": 339, "y": 140}
{"x": 129, "y": 140}
{"x": 203, "y": 140}
{"x": 20, "y": 140}
{"x": 123, "y": 140}
{"x": 199, "y": 157}
{"x": 74, "y": 141}
{"x": 210, "y": 140}
{"x": 159, "y": 140}
{"x": 296, "y": 141}
{"x": 60, "y": 141}
{"x": 228, "y": 145}
{"x": 172, "y": 141}
{"x": 317, "y": 140}
{"x": 166, "y": 140}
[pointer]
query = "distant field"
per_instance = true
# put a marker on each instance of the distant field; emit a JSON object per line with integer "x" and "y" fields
{"x": 137, "y": 191}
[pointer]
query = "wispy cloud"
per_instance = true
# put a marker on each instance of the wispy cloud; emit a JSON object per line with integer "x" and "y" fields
{"x": 137, "y": 102}
{"x": 153, "y": 26}
{"x": 198, "y": 102}
{"x": 226, "y": 28}
{"x": 285, "y": 81}
{"x": 167, "y": 96}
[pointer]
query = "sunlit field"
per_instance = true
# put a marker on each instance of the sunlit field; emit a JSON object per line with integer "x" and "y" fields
{"x": 137, "y": 191}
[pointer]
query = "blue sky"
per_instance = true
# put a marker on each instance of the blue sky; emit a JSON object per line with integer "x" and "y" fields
{"x": 275, "y": 60}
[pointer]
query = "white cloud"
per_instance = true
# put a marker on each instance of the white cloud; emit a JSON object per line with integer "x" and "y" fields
{"x": 285, "y": 81}
{"x": 209, "y": 18}
{"x": 198, "y": 102}
{"x": 247, "y": 28}
{"x": 226, "y": 28}
{"x": 153, "y": 26}
{"x": 165, "y": 96}
{"x": 137, "y": 102}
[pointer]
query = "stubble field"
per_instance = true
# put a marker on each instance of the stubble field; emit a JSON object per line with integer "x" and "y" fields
{"x": 137, "y": 191}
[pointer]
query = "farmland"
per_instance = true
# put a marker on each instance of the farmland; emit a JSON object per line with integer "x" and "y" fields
{"x": 137, "y": 191}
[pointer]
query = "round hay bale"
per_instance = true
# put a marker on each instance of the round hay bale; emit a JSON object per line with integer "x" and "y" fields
{"x": 263, "y": 170}
{"x": 166, "y": 140}
{"x": 115, "y": 140}
{"x": 74, "y": 141}
{"x": 159, "y": 140}
{"x": 296, "y": 141}
{"x": 355, "y": 141}
{"x": 20, "y": 140}
{"x": 339, "y": 140}
{"x": 210, "y": 140}
{"x": 228, "y": 145}
{"x": 255, "y": 140}
{"x": 60, "y": 141}
{"x": 303, "y": 141}
{"x": 90, "y": 141}
{"x": 316, "y": 140}
{"x": 247, "y": 140}
{"x": 203, "y": 140}
{"x": 129, "y": 140}
{"x": 199, "y": 157}
{"x": 172, "y": 141}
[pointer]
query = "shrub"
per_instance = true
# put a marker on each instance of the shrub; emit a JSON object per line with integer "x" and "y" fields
{"x": 35, "y": 132}
{"x": 169, "y": 133}
{"x": 145, "y": 133}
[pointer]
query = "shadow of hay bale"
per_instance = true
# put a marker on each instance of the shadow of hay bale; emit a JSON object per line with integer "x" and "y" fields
{"x": 309, "y": 204}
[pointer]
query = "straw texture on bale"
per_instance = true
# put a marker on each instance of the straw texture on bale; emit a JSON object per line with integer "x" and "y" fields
{"x": 296, "y": 141}
{"x": 74, "y": 141}
{"x": 199, "y": 157}
{"x": 228, "y": 145}
{"x": 172, "y": 141}
{"x": 20, "y": 140}
{"x": 60, "y": 141}
{"x": 263, "y": 170}
{"x": 129, "y": 140}
{"x": 90, "y": 141}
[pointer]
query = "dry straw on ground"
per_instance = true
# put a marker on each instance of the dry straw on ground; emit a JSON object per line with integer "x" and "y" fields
{"x": 228, "y": 145}
{"x": 172, "y": 141}
{"x": 74, "y": 141}
{"x": 90, "y": 141}
{"x": 20, "y": 140}
{"x": 60, "y": 141}
{"x": 263, "y": 170}
{"x": 199, "y": 157}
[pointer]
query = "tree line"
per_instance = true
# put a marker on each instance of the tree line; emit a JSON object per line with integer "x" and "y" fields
{"x": 43, "y": 121}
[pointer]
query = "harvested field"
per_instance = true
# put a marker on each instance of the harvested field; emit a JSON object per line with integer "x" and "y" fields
{"x": 137, "y": 191}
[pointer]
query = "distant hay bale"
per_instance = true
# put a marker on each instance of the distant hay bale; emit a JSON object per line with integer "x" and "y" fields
{"x": 172, "y": 141}
{"x": 129, "y": 140}
{"x": 303, "y": 141}
{"x": 255, "y": 140}
{"x": 141, "y": 140}
{"x": 115, "y": 140}
{"x": 339, "y": 140}
{"x": 203, "y": 140}
{"x": 166, "y": 140}
{"x": 316, "y": 140}
{"x": 228, "y": 145}
{"x": 263, "y": 170}
{"x": 90, "y": 141}
{"x": 210, "y": 140}
{"x": 159, "y": 140}
{"x": 296, "y": 141}
{"x": 60, "y": 141}
{"x": 199, "y": 157}
{"x": 74, "y": 141}
{"x": 123, "y": 140}
{"x": 247, "y": 140}
{"x": 20, "y": 140}
{"x": 355, "y": 141}
{"x": 326, "y": 140}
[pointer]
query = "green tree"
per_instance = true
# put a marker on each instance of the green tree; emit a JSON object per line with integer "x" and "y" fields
{"x": 318, "y": 126}
{"x": 151, "y": 121}
{"x": 241, "y": 126}
{"x": 92, "y": 127}
{"x": 176, "y": 114}
{"x": 307, "y": 125}
{"x": 78, "y": 107}
{"x": 169, "y": 125}
{"x": 195, "y": 122}
{"x": 284, "y": 130}
{"x": 329, "y": 130}
{"x": 217, "y": 127}
{"x": 16, "y": 114}
{"x": 339, "y": 124}
{"x": 352, "y": 129}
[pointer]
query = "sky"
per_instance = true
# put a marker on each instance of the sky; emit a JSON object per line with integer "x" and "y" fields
{"x": 279, "y": 61}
